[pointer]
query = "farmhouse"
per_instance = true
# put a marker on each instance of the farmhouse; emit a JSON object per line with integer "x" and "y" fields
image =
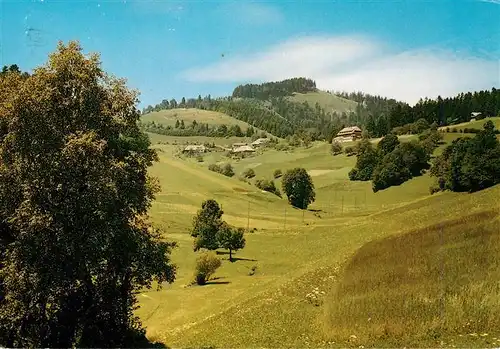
{"x": 348, "y": 134}
{"x": 244, "y": 149}
{"x": 195, "y": 149}
{"x": 260, "y": 142}
{"x": 237, "y": 145}
{"x": 474, "y": 115}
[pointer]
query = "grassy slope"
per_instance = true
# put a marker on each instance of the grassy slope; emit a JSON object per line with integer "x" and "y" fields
{"x": 292, "y": 257}
{"x": 326, "y": 100}
{"x": 170, "y": 116}
{"x": 478, "y": 124}
{"x": 437, "y": 285}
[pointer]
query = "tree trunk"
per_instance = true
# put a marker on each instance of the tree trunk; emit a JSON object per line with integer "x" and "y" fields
{"x": 230, "y": 255}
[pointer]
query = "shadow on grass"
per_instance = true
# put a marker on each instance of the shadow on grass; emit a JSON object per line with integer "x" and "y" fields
{"x": 217, "y": 282}
{"x": 236, "y": 258}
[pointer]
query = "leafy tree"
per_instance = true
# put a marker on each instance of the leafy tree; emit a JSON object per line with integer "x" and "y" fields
{"x": 277, "y": 173}
{"x": 183, "y": 102}
{"x": 299, "y": 188}
{"x": 182, "y": 126}
{"x": 249, "y": 173}
{"x": 206, "y": 266}
{"x": 336, "y": 148}
{"x": 388, "y": 144}
{"x": 227, "y": 170}
{"x": 75, "y": 243}
{"x": 366, "y": 162}
{"x": 469, "y": 164}
{"x": 206, "y": 224}
{"x": 231, "y": 239}
{"x": 177, "y": 124}
{"x": 406, "y": 161}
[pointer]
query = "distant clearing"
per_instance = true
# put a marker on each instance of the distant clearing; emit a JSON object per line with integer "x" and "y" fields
{"x": 314, "y": 173}
{"x": 478, "y": 124}
{"x": 170, "y": 116}
{"x": 327, "y": 101}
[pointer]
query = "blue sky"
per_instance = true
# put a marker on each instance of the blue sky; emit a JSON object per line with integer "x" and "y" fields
{"x": 401, "y": 49}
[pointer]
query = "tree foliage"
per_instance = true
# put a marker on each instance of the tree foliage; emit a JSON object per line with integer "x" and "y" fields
{"x": 275, "y": 89}
{"x": 249, "y": 173}
{"x": 336, "y": 148}
{"x": 367, "y": 159}
{"x": 206, "y": 224}
{"x": 298, "y": 187}
{"x": 206, "y": 265}
{"x": 75, "y": 244}
{"x": 469, "y": 164}
{"x": 406, "y": 161}
{"x": 231, "y": 239}
{"x": 267, "y": 185}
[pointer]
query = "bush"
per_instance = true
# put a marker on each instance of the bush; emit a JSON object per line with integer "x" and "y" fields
{"x": 277, "y": 174}
{"x": 349, "y": 151}
{"x": 199, "y": 158}
{"x": 249, "y": 173}
{"x": 267, "y": 185}
{"x": 454, "y": 130}
{"x": 206, "y": 265}
{"x": 228, "y": 170}
{"x": 215, "y": 168}
{"x": 336, "y": 148}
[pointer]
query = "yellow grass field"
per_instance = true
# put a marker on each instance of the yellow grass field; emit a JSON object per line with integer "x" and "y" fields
{"x": 297, "y": 253}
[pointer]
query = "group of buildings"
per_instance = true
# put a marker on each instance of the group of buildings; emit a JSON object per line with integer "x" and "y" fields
{"x": 236, "y": 148}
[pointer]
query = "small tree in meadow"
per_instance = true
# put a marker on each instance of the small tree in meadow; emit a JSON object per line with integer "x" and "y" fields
{"x": 299, "y": 188}
{"x": 231, "y": 239}
{"x": 206, "y": 224}
{"x": 277, "y": 173}
{"x": 249, "y": 173}
{"x": 227, "y": 170}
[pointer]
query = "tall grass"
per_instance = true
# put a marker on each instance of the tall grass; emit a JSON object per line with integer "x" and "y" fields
{"x": 423, "y": 287}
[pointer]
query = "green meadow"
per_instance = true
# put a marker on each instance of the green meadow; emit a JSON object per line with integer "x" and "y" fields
{"x": 393, "y": 268}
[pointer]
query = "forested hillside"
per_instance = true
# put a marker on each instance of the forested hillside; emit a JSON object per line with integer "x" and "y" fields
{"x": 275, "y": 89}
{"x": 273, "y": 108}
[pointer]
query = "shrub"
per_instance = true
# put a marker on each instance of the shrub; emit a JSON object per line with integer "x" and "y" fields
{"x": 199, "y": 158}
{"x": 454, "y": 130}
{"x": 349, "y": 151}
{"x": 228, "y": 170}
{"x": 215, "y": 168}
{"x": 277, "y": 174}
{"x": 267, "y": 185}
{"x": 249, "y": 173}
{"x": 336, "y": 148}
{"x": 206, "y": 265}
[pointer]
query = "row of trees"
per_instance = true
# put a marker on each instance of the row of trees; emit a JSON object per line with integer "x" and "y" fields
{"x": 469, "y": 164}
{"x": 274, "y": 89}
{"x": 75, "y": 243}
{"x": 391, "y": 162}
{"x": 449, "y": 110}
{"x": 196, "y": 129}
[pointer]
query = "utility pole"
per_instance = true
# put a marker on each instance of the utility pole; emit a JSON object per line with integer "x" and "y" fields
{"x": 284, "y": 224}
{"x": 248, "y": 218}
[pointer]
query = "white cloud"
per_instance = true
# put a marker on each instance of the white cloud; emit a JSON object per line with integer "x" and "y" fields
{"x": 355, "y": 63}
